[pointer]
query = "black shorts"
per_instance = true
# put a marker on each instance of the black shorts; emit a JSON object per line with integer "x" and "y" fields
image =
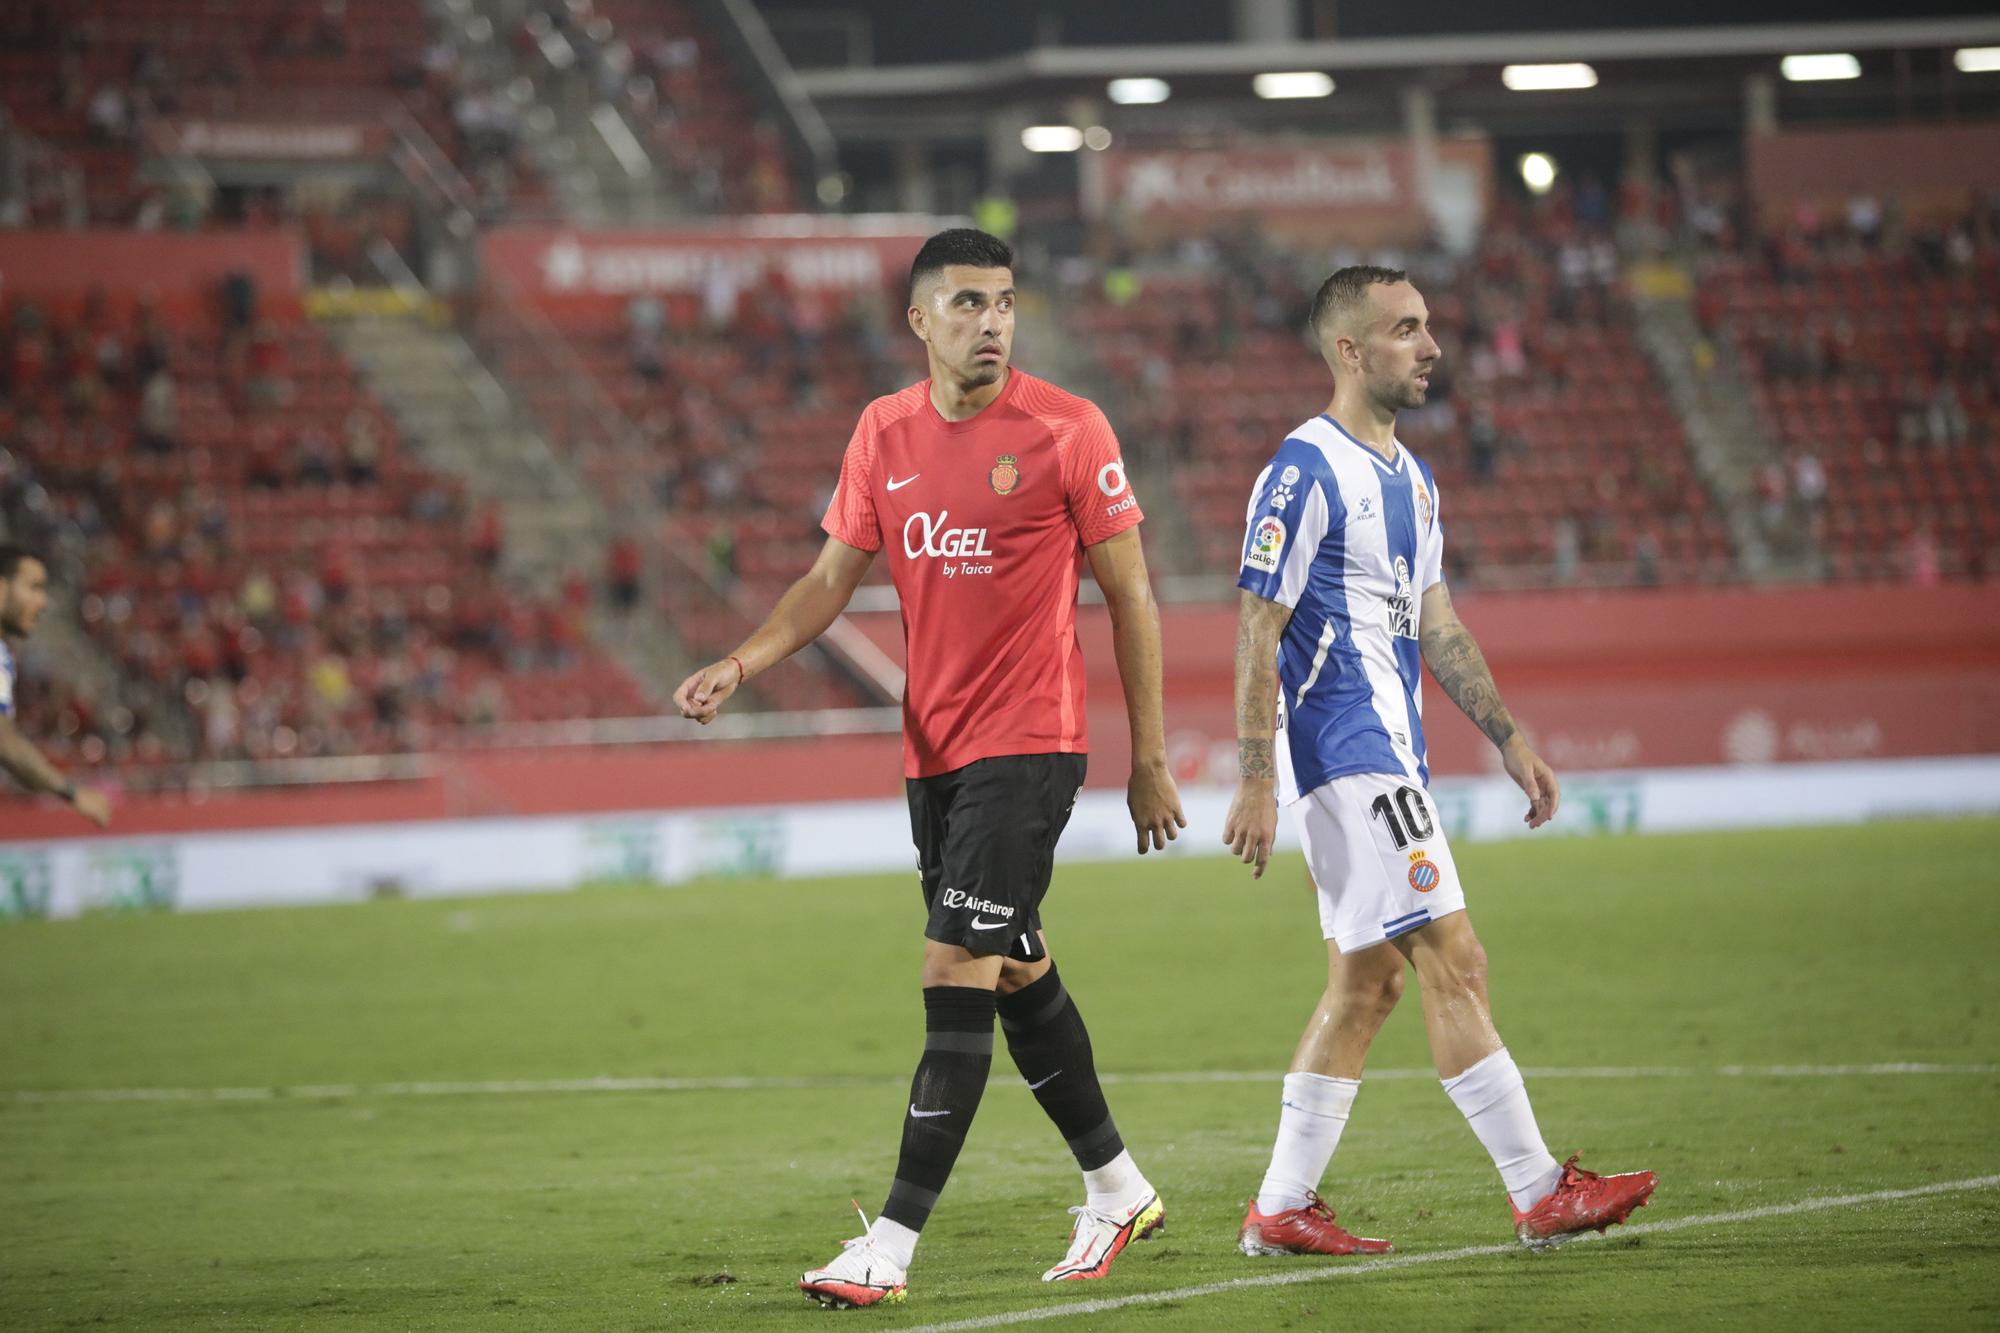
{"x": 986, "y": 846}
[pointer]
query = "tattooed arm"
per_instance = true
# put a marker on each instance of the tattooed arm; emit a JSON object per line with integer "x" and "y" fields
{"x": 1252, "y": 824}
{"x": 1461, "y": 672}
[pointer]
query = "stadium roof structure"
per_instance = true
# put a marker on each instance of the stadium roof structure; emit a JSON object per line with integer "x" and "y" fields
{"x": 1675, "y": 78}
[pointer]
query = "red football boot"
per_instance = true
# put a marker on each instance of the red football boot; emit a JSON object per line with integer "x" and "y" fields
{"x": 1582, "y": 1201}
{"x": 1306, "y": 1230}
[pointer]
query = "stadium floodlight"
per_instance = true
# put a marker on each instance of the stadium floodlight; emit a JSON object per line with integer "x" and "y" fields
{"x": 1977, "y": 59}
{"x": 1097, "y": 138}
{"x": 1138, "y": 92}
{"x": 1298, "y": 83}
{"x": 1052, "y": 138}
{"x": 1548, "y": 78}
{"x": 1814, "y": 69}
{"x": 1538, "y": 172}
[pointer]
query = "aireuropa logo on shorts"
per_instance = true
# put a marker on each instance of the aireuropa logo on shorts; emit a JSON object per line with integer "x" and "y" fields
{"x": 978, "y": 906}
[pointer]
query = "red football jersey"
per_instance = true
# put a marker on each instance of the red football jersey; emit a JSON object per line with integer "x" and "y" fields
{"x": 984, "y": 522}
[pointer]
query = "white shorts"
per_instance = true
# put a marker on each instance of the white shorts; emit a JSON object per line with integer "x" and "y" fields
{"x": 1378, "y": 857}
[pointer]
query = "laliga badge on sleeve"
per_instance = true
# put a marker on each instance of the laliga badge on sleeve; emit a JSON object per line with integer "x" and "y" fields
{"x": 1267, "y": 540}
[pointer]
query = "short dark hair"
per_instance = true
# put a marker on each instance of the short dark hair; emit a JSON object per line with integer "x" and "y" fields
{"x": 11, "y": 557}
{"x": 959, "y": 245}
{"x": 1347, "y": 288}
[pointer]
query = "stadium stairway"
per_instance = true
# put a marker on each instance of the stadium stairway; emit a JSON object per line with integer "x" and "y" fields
{"x": 460, "y": 420}
{"x": 1714, "y": 404}
{"x": 602, "y": 170}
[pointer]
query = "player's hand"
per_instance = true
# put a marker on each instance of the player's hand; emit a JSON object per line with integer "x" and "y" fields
{"x": 700, "y": 695}
{"x": 93, "y": 805}
{"x": 1155, "y": 803}
{"x": 1535, "y": 778}
{"x": 1252, "y": 825}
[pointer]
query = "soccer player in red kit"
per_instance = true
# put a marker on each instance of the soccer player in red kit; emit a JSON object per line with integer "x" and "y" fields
{"x": 988, "y": 489}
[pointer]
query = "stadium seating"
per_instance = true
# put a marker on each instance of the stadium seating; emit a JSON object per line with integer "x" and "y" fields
{"x": 661, "y": 65}
{"x": 275, "y": 561}
{"x": 1580, "y": 474}
{"x": 90, "y": 78}
{"x": 1874, "y": 368}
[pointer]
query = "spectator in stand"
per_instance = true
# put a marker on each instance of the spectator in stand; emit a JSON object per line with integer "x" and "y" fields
{"x": 159, "y": 427}
{"x": 264, "y": 467}
{"x": 1772, "y": 497}
{"x": 1482, "y": 443}
{"x": 623, "y": 568}
{"x": 646, "y": 329}
{"x": 488, "y": 537}
{"x": 364, "y": 450}
{"x": 239, "y": 305}
{"x": 1920, "y": 557}
{"x": 110, "y": 115}
{"x": 1945, "y": 422}
{"x": 270, "y": 383}
{"x": 313, "y": 463}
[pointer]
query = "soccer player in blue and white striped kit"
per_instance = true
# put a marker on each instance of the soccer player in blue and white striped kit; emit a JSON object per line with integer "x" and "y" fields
{"x": 1343, "y": 604}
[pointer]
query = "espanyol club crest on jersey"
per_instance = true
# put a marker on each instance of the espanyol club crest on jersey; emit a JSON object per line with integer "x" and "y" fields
{"x": 1005, "y": 476}
{"x": 1267, "y": 539}
{"x": 1423, "y": 501}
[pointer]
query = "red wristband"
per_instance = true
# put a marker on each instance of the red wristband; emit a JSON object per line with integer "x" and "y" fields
{"x": 742, "y": 672}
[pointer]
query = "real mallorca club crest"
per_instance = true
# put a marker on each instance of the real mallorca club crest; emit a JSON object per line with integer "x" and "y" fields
{"x": 1005, "y": 476}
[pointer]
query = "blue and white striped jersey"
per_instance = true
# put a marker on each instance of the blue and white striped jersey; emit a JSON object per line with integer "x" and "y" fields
{"x": 1350, "y": 541}
{"x": 6, "y": 680}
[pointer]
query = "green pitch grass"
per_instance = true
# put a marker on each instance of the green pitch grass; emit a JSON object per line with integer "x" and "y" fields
{"x": 374, "y": 1206}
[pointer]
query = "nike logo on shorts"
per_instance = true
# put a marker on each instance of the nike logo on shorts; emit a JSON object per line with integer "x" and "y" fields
{"x": 981, "y": 923}
{"x": 895, "y": 485}
{"x": 925, "y": 1115}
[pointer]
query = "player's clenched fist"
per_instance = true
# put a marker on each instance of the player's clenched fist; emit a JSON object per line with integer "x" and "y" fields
{"x": 700, "y": 695}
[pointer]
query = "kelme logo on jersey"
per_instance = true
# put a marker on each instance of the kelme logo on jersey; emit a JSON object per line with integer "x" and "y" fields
{"x": 1267, "y": 539}
{"x": 1005, "y": 476}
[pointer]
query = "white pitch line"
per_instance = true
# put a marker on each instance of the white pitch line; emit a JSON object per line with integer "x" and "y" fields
{"x": 312, "y": 1092}
{"x": 1366, "y": 1267}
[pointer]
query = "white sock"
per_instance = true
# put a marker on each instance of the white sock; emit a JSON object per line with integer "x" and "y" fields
{"x": 1315, "y": 1111}
{"x": 893, "y": 1239}
{"x": 1115, "y": 1186}
{"x": 1494, "y": 1100}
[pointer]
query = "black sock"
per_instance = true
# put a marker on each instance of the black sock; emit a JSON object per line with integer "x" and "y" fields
{"x": 958, "y": 1052}
{"x": 1051, "y": 1048}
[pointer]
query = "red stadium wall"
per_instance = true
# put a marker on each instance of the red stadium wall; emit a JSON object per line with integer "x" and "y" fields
{"x": 1923, "y": 167}
{"x": 1621, "y": 680}
{"x": 60, "y": 269}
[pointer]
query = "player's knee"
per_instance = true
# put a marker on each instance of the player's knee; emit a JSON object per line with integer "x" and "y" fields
{"x": 1375, "y": 984}
{"x": 1460, "y": 966}
{"x": 1016, "y": 975}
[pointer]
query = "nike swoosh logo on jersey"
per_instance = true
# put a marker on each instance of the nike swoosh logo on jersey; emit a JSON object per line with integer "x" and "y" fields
{"x": 895, "y": 485}
{"x": 1051, "y": 1077}
{"x": 981, "y": 923}
{"x": 925, "y": 1115}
